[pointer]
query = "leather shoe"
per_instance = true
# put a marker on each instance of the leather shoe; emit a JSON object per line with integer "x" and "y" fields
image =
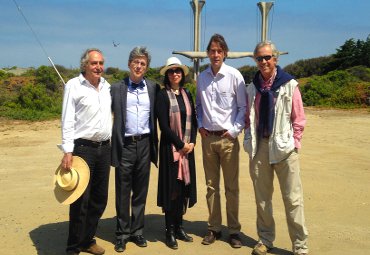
{"x": 120, "y": 245}
{"x": 235, "y": 241}
{"x": 211, "y": 237}
{"x": 170, "y": 238}
{"x": 94, "y": 249}
{"x": 139, "y": 240}
{"x": 182, "y": 235}
{"x": 260, "y": 249}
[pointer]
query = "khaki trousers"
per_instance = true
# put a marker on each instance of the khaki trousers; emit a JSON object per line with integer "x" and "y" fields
{"x": 288, "y": 174}
{"x": 222, "y": 153}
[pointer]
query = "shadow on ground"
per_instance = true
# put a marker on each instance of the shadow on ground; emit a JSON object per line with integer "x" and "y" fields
{"x": 51, "y": 239}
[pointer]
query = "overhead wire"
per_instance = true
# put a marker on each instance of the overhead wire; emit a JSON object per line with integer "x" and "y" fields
{"x": 38, "y": 40}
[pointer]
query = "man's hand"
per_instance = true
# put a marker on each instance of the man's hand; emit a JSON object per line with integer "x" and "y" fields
{"x": 203, "y": 132}
{"x": 67, "y": 161}
{"x": 228, "y": 136}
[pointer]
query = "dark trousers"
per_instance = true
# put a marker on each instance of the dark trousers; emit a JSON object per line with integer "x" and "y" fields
{"x": 132, "y": 181}
{"x": 174, "y": 215}
{"x": 85, "y": 212}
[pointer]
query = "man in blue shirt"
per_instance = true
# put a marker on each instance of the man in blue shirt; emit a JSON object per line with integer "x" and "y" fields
{"x": 134, "y": 146}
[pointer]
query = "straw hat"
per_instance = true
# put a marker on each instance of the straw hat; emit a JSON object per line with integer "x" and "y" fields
{"x": 69, "y": 185}
{"x": 174, "y": 62}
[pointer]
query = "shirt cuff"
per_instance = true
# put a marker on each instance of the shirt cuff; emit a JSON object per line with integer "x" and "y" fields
{"x": 297, "y": 144}
{"x": 67, "y": 147}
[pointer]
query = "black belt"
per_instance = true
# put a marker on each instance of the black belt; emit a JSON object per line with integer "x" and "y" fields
{"x": 84, "y": 142}
{"x": 217, "y": 133}
{"x": 135, "y": 138}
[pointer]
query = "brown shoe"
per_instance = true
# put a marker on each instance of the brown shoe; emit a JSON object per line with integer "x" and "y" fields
{"x": 260, "y": 249}
{"x": 235, "y": 241}
{"x": 94, "y": 249}
{"x": 211, "y": 237}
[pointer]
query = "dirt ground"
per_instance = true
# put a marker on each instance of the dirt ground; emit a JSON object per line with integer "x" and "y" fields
{"x": 335, "y": 162}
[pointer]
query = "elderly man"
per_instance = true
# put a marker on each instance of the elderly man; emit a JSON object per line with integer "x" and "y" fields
{"x": 86, "y": 132}
{"x": 274, "y": 127}
{"x": 134, "y": 146}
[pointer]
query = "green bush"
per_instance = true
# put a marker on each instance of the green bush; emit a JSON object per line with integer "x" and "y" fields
{"x": 336, "y": 89}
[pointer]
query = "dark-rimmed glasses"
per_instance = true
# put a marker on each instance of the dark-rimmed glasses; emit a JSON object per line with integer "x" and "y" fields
{"x": 260, "y": 58}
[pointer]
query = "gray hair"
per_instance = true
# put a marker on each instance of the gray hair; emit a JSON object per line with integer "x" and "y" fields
{"x": 140, "y": 51}
{"x": 274, "y": 50}
{"x": 85, "y": 58}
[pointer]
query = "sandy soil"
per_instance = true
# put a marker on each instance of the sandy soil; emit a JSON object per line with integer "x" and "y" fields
{"x": 335, "y": 172}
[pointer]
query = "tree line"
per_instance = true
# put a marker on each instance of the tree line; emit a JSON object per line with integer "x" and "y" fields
{"x": 338, "y": 80}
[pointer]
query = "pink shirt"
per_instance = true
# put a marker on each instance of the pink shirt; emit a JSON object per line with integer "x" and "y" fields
{"x": 297, "y": 117}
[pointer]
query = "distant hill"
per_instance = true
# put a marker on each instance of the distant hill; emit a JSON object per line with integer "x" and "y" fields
{"x": 16, "y": 70}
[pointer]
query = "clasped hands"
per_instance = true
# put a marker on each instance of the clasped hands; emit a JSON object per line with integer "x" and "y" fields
{"x": 188, "y": 147}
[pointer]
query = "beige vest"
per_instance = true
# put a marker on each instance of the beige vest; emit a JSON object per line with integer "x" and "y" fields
{"x": 281, "y": 141}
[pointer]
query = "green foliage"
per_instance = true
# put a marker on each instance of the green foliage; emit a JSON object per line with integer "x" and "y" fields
{"x": 114, "y": 74}
{"x": 33, "y": 103}
{"x": 309, "y": 67}
{"x": 153, "y": 74}
{"x": 339, "y": 80}
{"x": 248, "y": 73}
{"x": 336, "y": 89}
{"x": 46, "y": 75}
{"x": 192, "y": 88}
{"x": 5, "y": 75}
{"x": 351, "y": 53}
{"x": 360, "y": 72}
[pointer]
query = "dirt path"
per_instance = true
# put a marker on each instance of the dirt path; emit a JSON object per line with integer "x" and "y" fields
{"x": 335, "y": 161}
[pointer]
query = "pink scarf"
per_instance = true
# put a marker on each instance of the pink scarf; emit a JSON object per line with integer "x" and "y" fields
{"x": 175, "y": 124}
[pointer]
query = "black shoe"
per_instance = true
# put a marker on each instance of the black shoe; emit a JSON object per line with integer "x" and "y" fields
{"x": 120, "y": 246}
{"x": 182, "y": 235}
{"x": 235, "y": 241}
{"x": 170, "y": 238}
{"x": 211, "y": 237}
{"x": 139, "y": 240}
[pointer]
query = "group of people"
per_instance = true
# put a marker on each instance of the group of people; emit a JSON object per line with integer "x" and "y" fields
{"x": 269, "y": 111}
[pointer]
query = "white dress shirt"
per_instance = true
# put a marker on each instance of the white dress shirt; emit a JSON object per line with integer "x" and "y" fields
{"x": 86, "y": 112}
{"x": 138, "y": 111}
{"x": 221, "y": 100}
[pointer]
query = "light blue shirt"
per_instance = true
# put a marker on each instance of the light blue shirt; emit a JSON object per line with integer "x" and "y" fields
{"x": 138, "y": 111}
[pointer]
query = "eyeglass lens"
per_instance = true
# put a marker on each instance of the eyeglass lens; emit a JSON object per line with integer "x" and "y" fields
{"x": 173, "y": 71}
{"x": 260, "y": 58}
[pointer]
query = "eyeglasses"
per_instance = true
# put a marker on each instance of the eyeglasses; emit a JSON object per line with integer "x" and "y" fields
{"x": 267, "y": 58}
{"x": 139, "y": 63}
{"x": 173, "y": 71}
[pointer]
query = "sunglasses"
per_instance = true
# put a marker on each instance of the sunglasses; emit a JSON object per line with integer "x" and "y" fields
{"x": 173, "y": 71}
{"x": 260, "y": 58}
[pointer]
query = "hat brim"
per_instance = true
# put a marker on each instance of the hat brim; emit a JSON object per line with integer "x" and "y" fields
{"x": 183, "y": 67}
{"x": 68, "y": 197}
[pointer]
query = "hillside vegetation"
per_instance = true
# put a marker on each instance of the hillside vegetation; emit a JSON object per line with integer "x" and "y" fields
{"x": 340, "y": 80}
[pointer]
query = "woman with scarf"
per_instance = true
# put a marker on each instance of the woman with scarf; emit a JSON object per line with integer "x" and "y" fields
{"x": 176, "y": 178}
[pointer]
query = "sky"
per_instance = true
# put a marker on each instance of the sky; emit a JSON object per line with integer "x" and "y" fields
{"x": 65, "y": 28}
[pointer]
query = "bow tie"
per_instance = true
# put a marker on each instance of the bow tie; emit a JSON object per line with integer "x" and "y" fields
{"x": 137, "y": 85}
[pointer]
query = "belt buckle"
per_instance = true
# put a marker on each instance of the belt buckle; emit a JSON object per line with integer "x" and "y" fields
{"x": 135, "y": 138}
{"x": 100, "y": 143}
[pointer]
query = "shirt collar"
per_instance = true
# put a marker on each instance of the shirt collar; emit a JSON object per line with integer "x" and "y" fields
{"x": 83, "y": 80}
{"x": 220, "y": 72}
